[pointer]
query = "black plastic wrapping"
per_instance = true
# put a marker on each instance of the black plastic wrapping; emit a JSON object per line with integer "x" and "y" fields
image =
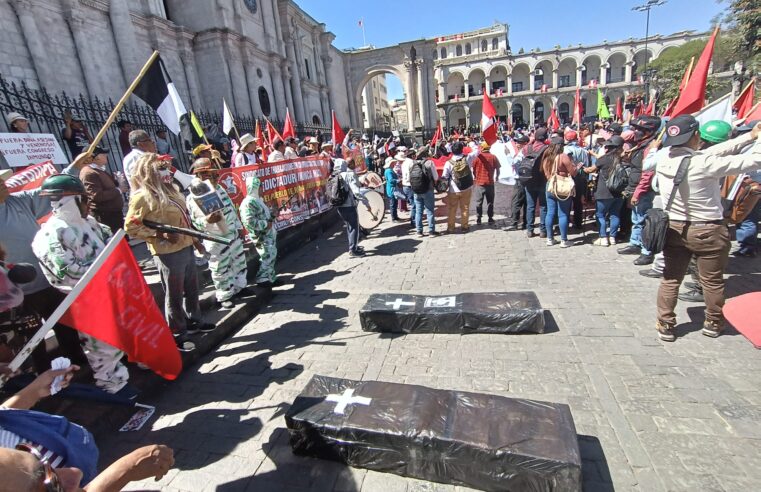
{"x": 482, "y": 312}
{"x": 482, "y": 441}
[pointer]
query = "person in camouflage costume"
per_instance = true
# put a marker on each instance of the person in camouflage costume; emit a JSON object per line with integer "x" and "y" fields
{"x": 67, "y": 245}
{"x": 258, "y": 221}
{"x": 227, "y": 263}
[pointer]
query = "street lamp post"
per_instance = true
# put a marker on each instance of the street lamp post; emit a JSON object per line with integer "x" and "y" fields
{"x": 646, "y": 8}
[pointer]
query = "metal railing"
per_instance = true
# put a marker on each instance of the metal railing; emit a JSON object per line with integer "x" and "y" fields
{"x": 45, "y": 113}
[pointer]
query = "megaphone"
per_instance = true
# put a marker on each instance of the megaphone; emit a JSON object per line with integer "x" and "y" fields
{"x": 183, "y": 178}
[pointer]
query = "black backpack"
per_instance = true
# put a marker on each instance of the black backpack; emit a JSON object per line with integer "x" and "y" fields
{"x": 530, "y": 164}
{"x": 420, "y": 181}
{"x": 335, "y": 190}
{"x": 618, "y": 178}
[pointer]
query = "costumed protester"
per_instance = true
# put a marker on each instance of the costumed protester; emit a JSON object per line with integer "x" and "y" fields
{"x": 246, "y": 152}
{"x": 227, "y": 263}
{"x": 258, "y": 219}
{"x": 67, "y": 245}
{"x": 158, "y": 200}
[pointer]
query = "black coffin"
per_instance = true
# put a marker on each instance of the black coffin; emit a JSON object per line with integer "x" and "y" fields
{"x": 482, "y": 312}
{"x": 482, "y": 441}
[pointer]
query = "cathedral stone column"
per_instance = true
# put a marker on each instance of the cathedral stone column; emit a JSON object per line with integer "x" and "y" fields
{"x": 509, "y": 83}
{"x": 422, "y": 89}
{"x": 276, "y": 77}
{"x": 82, "y": 44}
{"x": 555, "y": 82}
{"x": 287, "y": 88}
{"x": 46, "y": 73}
{"x": 126, "y": 40}
{"x": 298, "y": 96}
{"x": 604, "y": 73}
{"x": 191, "y": 77}
{"x": 410, "y": 96}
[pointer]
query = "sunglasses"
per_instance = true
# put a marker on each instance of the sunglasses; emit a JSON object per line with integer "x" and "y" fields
{"x": 52, "y": 483}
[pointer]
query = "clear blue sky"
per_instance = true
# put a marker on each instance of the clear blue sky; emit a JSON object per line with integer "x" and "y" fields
{"x": 555, "y": 22}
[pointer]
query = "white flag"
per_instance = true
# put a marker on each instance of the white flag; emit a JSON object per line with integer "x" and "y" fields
{"x": 720, "y": 109}
{"x": 227, "y": 118}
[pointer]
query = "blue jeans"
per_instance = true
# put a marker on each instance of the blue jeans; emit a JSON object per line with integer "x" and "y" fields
{"x": 534, "y": 195}
{"x": 747, "y": 230}
{"x": 351, "y": 219}
{"x": 392, "y": 203}
{"x": 411, "y": 202}
{"x": 425, "y": 201}
{"x": 609, "y": 207}
{"x": 563, "y": 210}
{"x": 644, "y": 204}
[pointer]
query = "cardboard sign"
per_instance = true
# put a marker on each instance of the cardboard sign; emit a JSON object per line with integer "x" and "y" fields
{"x": 23, "y": 149}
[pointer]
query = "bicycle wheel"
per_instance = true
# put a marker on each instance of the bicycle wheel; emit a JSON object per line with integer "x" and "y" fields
{"x": 372, "y": 210}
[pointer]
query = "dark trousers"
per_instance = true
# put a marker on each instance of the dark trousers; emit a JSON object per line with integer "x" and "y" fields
{"x": 44, "y": 303}
{"x": 485, "y": 191}
{"x": 114, "y": 220}
{"x": 536, "y": 196}
{"x": 518, "y": 206}
{"x": 351, "y": 219}
{"x": 179, "y": 278}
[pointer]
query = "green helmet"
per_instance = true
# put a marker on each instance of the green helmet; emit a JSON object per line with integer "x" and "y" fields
{"x": 62, "y": 185}
{"x": 715, "y": 131}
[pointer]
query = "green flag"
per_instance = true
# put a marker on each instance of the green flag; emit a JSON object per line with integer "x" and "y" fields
{"x": 196, "y": 125}
{"x": 602, "y": 108}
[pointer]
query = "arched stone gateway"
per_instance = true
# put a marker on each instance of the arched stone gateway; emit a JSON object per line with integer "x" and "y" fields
{"x": 412, "y": 63}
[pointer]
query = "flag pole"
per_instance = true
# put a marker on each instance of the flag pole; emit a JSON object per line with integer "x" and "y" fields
{"x": 38, "y": 337}
{"x": 364, "y": 40}
{"x": 752, "y": 82}
{"x": 120, "y": 103}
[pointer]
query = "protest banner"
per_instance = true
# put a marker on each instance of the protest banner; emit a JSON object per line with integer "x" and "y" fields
{"x": 355, "y": 154}
{"x": 293, "y": 189}
{"x": 23, "y": 149}
{"x": 31, "y": 178}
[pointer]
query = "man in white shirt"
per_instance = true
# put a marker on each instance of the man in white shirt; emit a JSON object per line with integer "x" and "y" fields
{"x": 291, "y": 148}
{"x": 141, "y": 143}
{"x": 277, "y": 154}
{"x": 401, "y": 155}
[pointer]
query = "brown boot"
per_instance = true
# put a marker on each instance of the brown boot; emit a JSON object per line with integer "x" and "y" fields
{"x": 712, "y": 328}
{"x": 665, "y": 331}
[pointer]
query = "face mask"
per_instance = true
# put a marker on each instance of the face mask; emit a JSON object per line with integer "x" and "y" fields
{"x": 165, "y": 175}
{"x": 67, "y": 209}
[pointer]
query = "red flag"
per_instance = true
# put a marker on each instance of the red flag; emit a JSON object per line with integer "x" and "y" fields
{"x": 117, "y": 307}
{"x": 488, "y": 127}
{"x": 260, "y": 141}
{"x": 670, "y": 108}
{"x": 437, "y": 136}
{"x": 754, "y": 114}
{"x": 338, "y": 134}
{"x": 272, "y": 133}
{"x": 686, "y": 76}
{"x": 619, "y": 110}
{"x": 31, "y": 177}
{"x": 744, "y": 102}
{"x": 638, "y": 109}
{"x": 288, "y": 130}
{"x": 553, "y": 121}
{"x": 577, "y": 108}
{"x": 650, "y": 109}
{"x": 693, "y": 96}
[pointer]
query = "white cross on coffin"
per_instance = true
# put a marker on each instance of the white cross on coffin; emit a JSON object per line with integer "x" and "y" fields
{"x": 398, "y": 303}
{"x": 346, "y": 399}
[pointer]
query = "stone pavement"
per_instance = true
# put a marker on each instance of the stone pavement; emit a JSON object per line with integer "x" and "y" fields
{"x": 650, "y": 415}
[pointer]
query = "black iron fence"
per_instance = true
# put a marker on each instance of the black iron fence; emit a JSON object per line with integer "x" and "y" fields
{"x": 45, "y": 113}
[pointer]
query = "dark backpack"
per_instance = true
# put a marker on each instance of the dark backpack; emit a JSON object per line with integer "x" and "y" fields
{"x": 657, "y": 220}
{"x": 335, "y": 190}
{"x": 461, "y": 174}
{"x": 420, "y": 181}
{"x": 618, "y": 179}
{"x": 530, "y": 165}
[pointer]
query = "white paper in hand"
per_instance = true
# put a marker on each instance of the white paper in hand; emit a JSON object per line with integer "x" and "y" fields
{"x": 58, "y": 364}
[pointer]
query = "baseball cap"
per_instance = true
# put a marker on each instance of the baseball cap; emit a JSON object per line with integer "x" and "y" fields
{"x": 570, "y": 135}
{"x": 614, "y": 141}
{"x": 680, "y": 130}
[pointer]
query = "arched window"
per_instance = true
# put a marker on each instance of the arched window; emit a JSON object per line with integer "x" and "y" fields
{"x": 484, "y": 45}
{"x": 495, "y": 44}
{"x": 443, "y": 53}
{"x": 458, "y": 50}
{"x": 467, "y": 48}
{"x": 434, "y": 54}
{"x": 517, "y": 114}
{"x": 316, "y": 120}
{"x": 264, "y": 101}
{"x": 539, "y": 111}
{"x": 564, "y": 112}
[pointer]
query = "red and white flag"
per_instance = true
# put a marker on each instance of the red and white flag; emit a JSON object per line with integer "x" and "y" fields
{"x": 117, "y": 307}
{"x": 500, "y": 92}
{"x": 30, "y": 178}
{"x": 593, "y": 84}
{"x": 543, "y": 88}
{"x": 488, "y": 127}
{"x": 288, "y": 129}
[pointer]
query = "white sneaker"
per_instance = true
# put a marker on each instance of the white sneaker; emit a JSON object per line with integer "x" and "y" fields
{"x": 612, "y": 241}
{"x": 603, "y": 241}
{"x": 551, "y": 242}
{"x": 565, "y": 244}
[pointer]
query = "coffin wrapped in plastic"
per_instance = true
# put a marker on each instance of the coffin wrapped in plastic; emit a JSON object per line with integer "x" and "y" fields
{"x": 482, "y": 312}
{"x": 483, "y": 441}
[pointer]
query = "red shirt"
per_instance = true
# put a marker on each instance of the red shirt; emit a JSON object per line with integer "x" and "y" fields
{"x": 484, "y": 167}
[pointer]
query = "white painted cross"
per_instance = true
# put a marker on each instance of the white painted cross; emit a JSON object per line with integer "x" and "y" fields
{"x": 399, "y": 303}
{"x": 346, "y": 399}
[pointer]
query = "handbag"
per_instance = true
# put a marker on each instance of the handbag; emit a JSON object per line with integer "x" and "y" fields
{"x": 657, "y": 220}
{"x": 561, "y": 187}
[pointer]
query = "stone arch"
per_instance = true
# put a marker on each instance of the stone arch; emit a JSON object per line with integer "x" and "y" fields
{"x": 565, "y": 101}
{"x": 500, "y": 106}
{"x": 457, "y": 115}
{"x": 520, "y": 77}
{"x": 542, "y": 73}
{"x": 498, "y": 79}
{"x": 374, "y": 71}
{"x": 543, "y": 62}
{"x": 567, "y": 72}
{"x": 455, "y": 85}
{"x": 519, "y": 112}
{"x": 476, "y": 81}
{"x": 542, "y": 108}
{"x": 616, "y": 67}
{"x": 475, "y": 109}
{"x": 592, "y": 68}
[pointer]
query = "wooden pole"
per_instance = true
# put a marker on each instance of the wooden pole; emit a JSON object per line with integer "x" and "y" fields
{"x": 120, "y": 103}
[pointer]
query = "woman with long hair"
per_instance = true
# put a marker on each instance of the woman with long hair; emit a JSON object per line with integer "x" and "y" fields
{"x": 555, "y": 162}
{"x": 155, "y": 198}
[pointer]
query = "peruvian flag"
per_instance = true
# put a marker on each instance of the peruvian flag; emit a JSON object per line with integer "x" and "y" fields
{"x": 437, "y": 136}
{"x": 619, "y": 110}
{"x": 593, "y": 84}
{"x": 338, "y": 134}
{"x": 553, "y": 121}
{"x": 744, "y": 102}
{"x": 112, "y": 303}
{"x": 260, "y": 141}
{"x": 288, "y": 130}
{"x": 543, "y": 89}
{"x": 272, "y": 133}
{"x": 577, "y": 108}
{"x": 693, "y": 96}
{"x": 488, "y": 127}
{"x": 500, "y": 92}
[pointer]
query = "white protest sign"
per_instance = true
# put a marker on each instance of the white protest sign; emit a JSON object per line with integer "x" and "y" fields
{"x": 23, "y": 149}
